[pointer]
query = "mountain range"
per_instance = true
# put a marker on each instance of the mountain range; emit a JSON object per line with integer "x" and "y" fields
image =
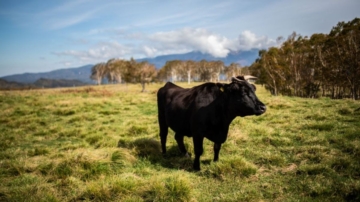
{"x": 82, "y": 73}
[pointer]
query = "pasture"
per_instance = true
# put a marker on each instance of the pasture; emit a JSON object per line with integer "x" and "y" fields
{"x": 101, "y": 143}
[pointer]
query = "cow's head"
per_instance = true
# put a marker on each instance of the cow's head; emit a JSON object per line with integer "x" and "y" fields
{"x": 243, "y": 99}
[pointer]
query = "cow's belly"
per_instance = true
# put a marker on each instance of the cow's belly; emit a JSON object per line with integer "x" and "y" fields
{"x": 215, "y": 136}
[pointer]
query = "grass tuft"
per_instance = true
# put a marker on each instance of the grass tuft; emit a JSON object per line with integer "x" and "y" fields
{"x": 38, "y": 151}
{"x": 174, "y": 188}
{"x": 137, "y": 130}
{"x": 147, "y": 147}
{"x": 235, "y": 167}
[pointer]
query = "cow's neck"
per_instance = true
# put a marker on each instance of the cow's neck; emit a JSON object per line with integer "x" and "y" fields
{"x": 228, "y": 114}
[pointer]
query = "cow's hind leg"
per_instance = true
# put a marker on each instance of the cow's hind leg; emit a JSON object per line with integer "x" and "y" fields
{"x": 180, "y": 141}
{"x": 163, "y": 126}
{"x": 163, "y": 137}
{"x": 198, "y": 147}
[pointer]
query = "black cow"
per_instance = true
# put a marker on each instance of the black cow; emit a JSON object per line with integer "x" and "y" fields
{"x": 204, "y": 111}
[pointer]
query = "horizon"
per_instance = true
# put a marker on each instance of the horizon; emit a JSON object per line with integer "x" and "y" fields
{"x": 42, "y": 36}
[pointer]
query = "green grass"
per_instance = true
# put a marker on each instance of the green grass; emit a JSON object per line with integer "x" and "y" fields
{"x": 101, "y": 143}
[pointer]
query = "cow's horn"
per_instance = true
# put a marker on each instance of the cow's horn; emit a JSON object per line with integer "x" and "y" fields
{"x": 236, "y": 79}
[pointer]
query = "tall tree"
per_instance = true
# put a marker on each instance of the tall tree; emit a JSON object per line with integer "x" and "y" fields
{"x": 233, "y": 70}
{"x": 171, "y": 70}
{"x": 145, "y": 74}
{"x": 115, "y": 70}
{"x": 204, "y": 70}
{"x": 98, "y": 72}
{"x": 346, "y": 38}
{"x": 216, "y": 68}
{"x": 189, "y": 68}
{"x": 110, "y": 70}
{"x": 142, "y": 73}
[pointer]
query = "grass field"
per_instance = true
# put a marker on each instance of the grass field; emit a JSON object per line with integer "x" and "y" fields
{"x": 101, "y": 143}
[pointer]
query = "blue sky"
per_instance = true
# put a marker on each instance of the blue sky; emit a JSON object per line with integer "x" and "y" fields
{"x": 40, "y": 36}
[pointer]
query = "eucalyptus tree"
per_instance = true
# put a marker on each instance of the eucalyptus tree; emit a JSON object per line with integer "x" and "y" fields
{"x": 110, "y": 70}
{"x": 292, "y": 57}
{"x": 203, "y": 70}
{"x": 274, "y": 71}
{"x": 346, "y": 48}
{"x": 216, "y": 68}
{"x": 189, "y": 68}
{"x": 98, "y": 72}
{"x": 233, "y": 70}
{"x": 142, "y": 72}
{"x": 116, "y": 69}
{"x": 171, "y": 69}
{"x": 145, "y": 73}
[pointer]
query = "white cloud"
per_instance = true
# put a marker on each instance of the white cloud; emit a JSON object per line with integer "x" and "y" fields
{"x": 99, "y": 53}
{"x": 172, "y": 42}
{"x": 248, "y": 40}
{"x": 189, "y": 39}
{"x": 149, "y": 51}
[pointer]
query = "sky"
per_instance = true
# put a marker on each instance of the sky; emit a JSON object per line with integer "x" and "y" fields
{"x": 40, "y": 35}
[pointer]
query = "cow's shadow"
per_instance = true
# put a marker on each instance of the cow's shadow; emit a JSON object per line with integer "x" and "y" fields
{"x": 150, "y": 149}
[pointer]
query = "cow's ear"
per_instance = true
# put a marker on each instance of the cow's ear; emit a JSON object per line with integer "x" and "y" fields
{"x": 254, "y": 87}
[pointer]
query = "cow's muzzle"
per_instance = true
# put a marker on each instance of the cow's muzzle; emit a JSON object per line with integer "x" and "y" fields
{"x": 261, "y": 109}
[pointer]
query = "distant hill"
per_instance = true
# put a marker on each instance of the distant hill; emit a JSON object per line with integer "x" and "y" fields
{"x": 82, "y": 74}
{"x": 54, "y": 83}
{"x": 11, "y": 85}
{"x": 40, "y": 83}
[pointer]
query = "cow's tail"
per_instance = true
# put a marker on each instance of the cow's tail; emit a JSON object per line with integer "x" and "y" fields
{"x": 163, "y": 127}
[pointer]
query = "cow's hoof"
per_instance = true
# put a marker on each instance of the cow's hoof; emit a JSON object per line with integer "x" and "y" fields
{"x": 196, "y": 169}
{"x": 187, "y": 155}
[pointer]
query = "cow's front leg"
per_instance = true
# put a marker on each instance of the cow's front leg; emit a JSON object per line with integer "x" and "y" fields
{"x": 217, "y": 147}
{"x": 180, "y": 141}
{"x": 198, "y": 147}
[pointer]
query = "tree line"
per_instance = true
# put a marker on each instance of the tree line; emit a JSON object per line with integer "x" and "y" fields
{"x": 319, "y": 65}
{"x": 119, "y": 71}
{"x": 131, "y": 71}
